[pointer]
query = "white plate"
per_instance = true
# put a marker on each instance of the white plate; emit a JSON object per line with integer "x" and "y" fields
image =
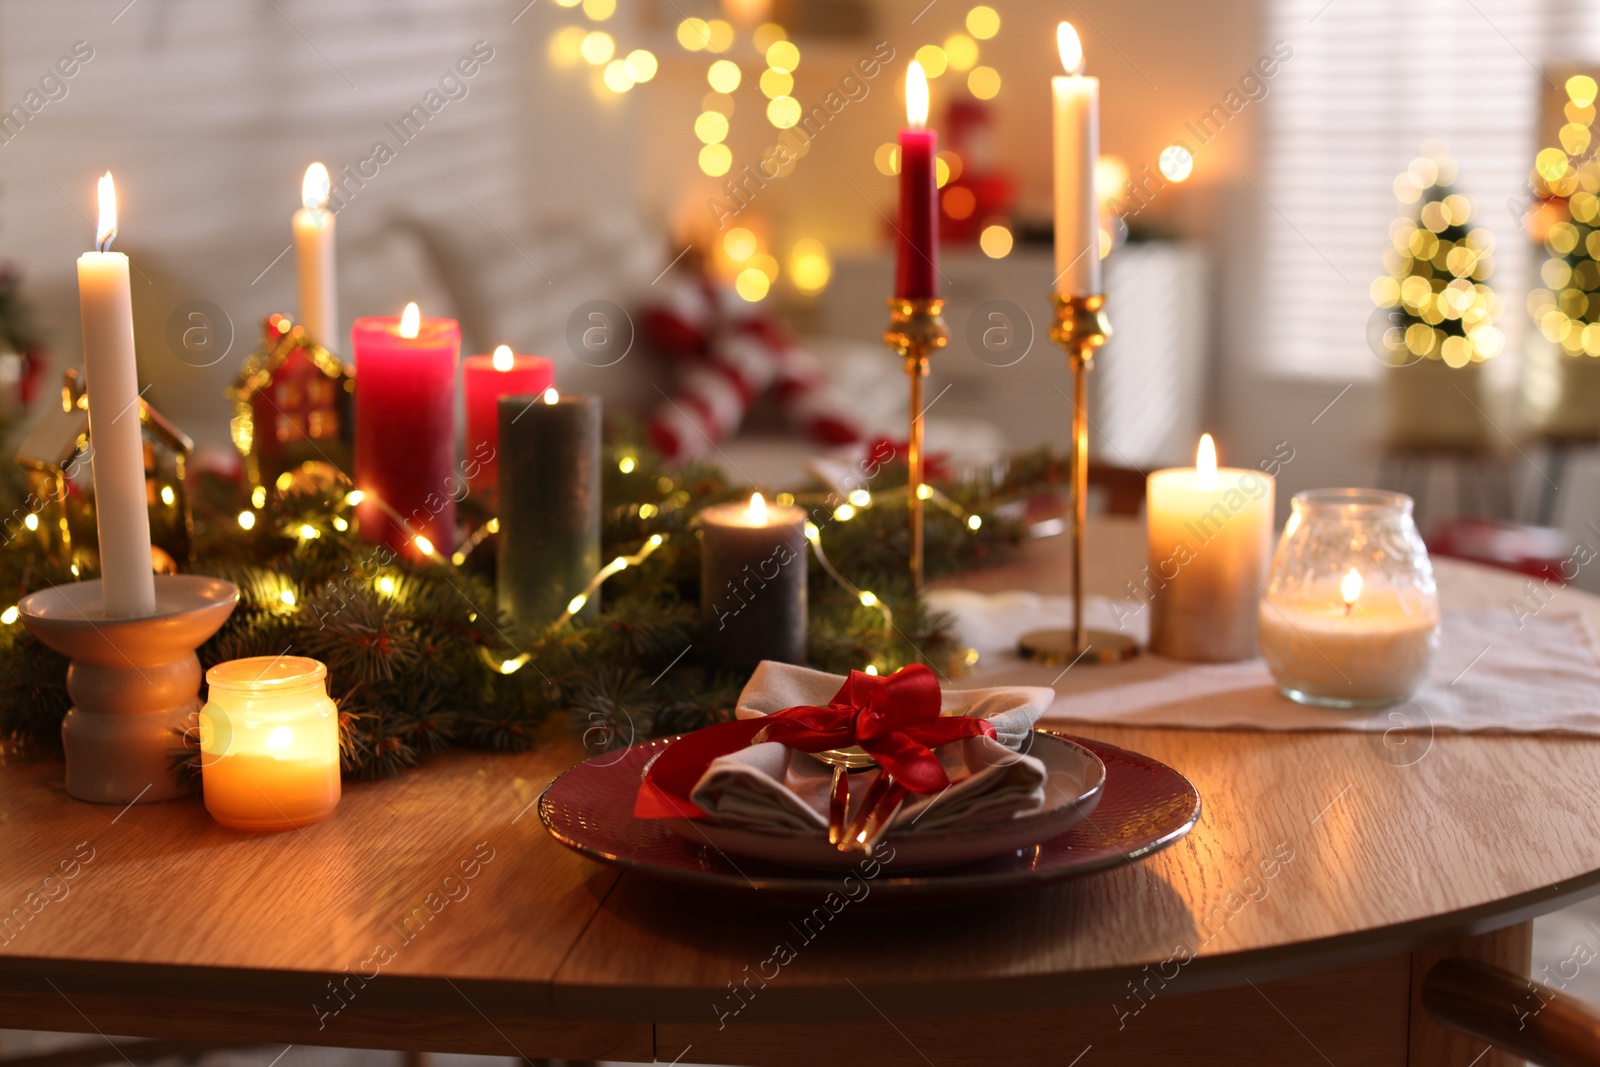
{"x": 1076, "y": 781}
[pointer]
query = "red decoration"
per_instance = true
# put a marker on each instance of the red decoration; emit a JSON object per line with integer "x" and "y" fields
{"x": 916, "y": 265}
{"x": 895, "y": 718}
{"x": 731, "y": 353}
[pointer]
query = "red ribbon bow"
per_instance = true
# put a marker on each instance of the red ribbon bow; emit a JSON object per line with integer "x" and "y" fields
{"x": 894, "y": 718}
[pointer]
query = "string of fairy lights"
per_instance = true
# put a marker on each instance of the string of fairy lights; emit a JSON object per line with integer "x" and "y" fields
{"x": 1438, "y": 267}
{"x": 766, "y": 59}
{"x": 387, "y": 583}
{"x": 1566, "y": 181}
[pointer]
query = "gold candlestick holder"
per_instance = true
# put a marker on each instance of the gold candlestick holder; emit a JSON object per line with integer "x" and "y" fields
{"x": 916, "y": 331}
{"x": 1080, "y": 328}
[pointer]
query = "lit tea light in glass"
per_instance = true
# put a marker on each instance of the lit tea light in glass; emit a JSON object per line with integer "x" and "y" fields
{"x": 269, "y": 743}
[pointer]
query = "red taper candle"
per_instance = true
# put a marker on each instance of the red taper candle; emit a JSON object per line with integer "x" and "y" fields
{"x": 917, "y": 263}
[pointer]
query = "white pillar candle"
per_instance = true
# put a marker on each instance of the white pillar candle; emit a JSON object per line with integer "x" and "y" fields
{"x": 105, "y": 304}
{"x": 313, "y": 252}
{"x": 1077, "y": 147}
{"x": 1210, "y": 536}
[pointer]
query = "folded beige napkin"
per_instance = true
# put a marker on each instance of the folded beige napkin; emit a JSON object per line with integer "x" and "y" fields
{"x": 770, "y": 788}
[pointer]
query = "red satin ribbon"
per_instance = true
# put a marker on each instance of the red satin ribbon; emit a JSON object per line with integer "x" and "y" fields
{"x": 895, "y": 718}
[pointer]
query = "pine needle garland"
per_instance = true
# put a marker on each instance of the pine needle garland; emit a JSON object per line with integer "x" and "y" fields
{"x": 420, "y": 659}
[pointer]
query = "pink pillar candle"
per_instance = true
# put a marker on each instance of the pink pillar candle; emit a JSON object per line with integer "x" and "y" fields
{"x": 405, "y": 453}
{"x": 487, "y": 379}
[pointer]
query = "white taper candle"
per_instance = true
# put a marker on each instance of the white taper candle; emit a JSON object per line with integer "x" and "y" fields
{"x": 106, "y": 308}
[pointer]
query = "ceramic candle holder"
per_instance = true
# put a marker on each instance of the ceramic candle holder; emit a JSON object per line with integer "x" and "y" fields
{"x": 134, "y": 683}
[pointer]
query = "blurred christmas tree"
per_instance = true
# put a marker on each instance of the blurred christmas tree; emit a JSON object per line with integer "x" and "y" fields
{"x": 1438, "y": 269}
{"x": 1566, "y": 219}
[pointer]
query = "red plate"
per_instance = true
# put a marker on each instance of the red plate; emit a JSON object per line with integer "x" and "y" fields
{"x": 1146, "y": 807}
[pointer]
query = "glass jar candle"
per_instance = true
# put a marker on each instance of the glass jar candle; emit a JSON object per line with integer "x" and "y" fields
{"x": 1351, "y": 615}
{"x": 269, "y": 743}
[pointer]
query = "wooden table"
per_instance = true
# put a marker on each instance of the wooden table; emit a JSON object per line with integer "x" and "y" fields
{"x": 433, "y": 912}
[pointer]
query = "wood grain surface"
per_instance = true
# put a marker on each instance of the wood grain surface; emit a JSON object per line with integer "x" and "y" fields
{"x": 436, "y": 904}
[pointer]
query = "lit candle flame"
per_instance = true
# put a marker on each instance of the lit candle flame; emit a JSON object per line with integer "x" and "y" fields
{"x": 1350, "y": 588}
{"x": 758, "y": 510}
{"x": 551, "y": 396}
{"x": 916, "y": 95}
{"x": 1071, "y": 48}
{"x": 316, "y": 188}
{"x": 106, "y": 232}
{"x": 410, "y": 322}
{"x": 1205, "y": 457}
{"x": 502, "y": 358}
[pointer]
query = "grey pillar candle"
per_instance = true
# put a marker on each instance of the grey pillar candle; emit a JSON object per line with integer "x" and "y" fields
{"x": 753, "y": 583}
{"x": 549, "y": 544}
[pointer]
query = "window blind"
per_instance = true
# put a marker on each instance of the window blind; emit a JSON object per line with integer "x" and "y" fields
{"x": 1369, "y": 82}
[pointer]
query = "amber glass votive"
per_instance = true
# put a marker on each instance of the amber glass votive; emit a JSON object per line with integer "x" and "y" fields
{"x": 269, "y": 743}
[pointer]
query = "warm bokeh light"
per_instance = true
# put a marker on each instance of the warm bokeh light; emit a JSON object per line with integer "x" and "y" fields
{"x": 724, "y": 75}
{"x": 764, "y": 263}
{"x": 776, "y": 83}
{"x": 1581, "y": 89}
{"x": 566, "y": 46}
{"x": 887, "y": 159}
{"x": 1176, "y": 163}
{"x": 1110, "y": 178}
{"x": 617, "y": 77}
{"x": 694, "y": 34}
{"x": 1437, "y": 274}
{"x": 410, "y": 321}
{"x": 766, "y": 35}
{"x": 952, "y": 163}
{"x": 996, "y": 241}
{"x": 941, "y": 173}
{"x": 810, "y": 266}
{"x": 599, "y": 10}
{"x": 740, "y": 244}
{"x": 916, "y": 95}
{"x": 983, "y": 22}
{"x": 711, "y": 127}
{"x": 106, "y": 231}
{"x": 720, "y": 32}
{"x": 751, "y": 285}
{"x": 934, "y": 61}
{"x": 784, "y": 56}
{"x": 642, "y": 64}
{"x": 715, "y": 159}
{"x": 315, "y": 188}
{"x": 1070, "y": 47}
{"x": 961, "y": 51}
{"x": 502, "y": 360}
{"x": 783, "y": 112}
{"x": 958, "y": 202}
{"x": 597, "y": 48}
{"x": 984, "y": 83}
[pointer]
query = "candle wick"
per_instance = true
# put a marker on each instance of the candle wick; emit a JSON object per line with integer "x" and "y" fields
{"x": 1348, "y": 607}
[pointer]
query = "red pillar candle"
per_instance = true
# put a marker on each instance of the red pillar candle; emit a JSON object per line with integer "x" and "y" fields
{"x": 916, "y": 266}
{"x": 405, "y": 454}
{"x": 487, "y": 379}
